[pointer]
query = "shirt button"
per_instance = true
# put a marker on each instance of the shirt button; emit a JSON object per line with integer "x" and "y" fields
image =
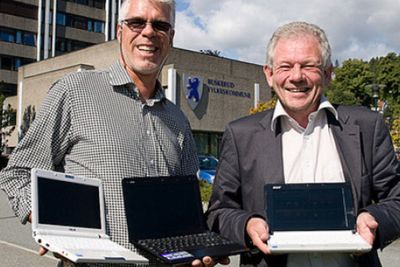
{"x": 148, "y": 132}
{"x": 152, "y": 162}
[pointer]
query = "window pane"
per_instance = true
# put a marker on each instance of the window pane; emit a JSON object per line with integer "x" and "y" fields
{"x": 7, "y": 35}
{"x": 29, "y": 39}
{"x": 99, "y": 26}
{"x": 18, "y": 39}
{"x": 17, "y": 64}
{"x": 6, "y": 63}
{"x": 61, "y": 20}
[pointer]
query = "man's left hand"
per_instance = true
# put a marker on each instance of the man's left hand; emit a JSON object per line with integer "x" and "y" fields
{"x": 210, "y": 262}
{"x": 366, "y": 227}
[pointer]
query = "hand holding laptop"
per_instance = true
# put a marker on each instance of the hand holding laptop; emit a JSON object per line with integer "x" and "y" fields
{"x": 316, "y": 217}
{"x": 43, "y": 250}
{"x": 257, "y": 230}
{"x": 366, "y": 227}
{"x": 210, "y": 262}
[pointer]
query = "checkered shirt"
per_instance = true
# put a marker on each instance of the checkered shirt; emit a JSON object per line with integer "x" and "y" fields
{"x": 93, "y": 123}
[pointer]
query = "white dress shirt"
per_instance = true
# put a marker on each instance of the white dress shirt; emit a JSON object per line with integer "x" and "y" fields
{"x": 310, "y": 155}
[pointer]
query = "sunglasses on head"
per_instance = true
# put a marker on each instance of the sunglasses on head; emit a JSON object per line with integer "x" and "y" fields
{"x": 137, "y": 25}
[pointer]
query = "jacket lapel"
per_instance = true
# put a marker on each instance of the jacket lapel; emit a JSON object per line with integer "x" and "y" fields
{"x": 347, "y": 139}
{"x": 272, "y": 141}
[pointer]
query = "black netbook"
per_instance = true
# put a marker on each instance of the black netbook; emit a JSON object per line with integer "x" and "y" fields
{"x": 165, "y": 219}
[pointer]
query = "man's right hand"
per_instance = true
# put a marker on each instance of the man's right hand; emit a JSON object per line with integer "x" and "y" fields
{"x": 257, "y": 230}
{"x": 42, "y": 250}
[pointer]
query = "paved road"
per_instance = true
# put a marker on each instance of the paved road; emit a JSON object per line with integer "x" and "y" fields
{"x": 17, "y": 248}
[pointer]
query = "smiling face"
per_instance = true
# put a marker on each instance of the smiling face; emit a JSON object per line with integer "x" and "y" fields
{"x": 144, "y": 52}
{"x": 297, "y": 75}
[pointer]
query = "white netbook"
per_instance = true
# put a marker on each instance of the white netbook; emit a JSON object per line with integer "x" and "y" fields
{"x": 312, "y": 218}
{"x": 68, "y": 218}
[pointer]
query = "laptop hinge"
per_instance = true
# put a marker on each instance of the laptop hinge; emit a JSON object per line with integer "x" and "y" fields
{"x": 64, "y": 233}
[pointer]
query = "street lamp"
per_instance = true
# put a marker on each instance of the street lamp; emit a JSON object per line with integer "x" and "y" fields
{"x": 375, "y": 95}
{"x": 375, "y": 88}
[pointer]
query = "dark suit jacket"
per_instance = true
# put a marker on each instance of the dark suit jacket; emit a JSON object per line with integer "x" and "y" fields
{"x": 251, "y": 155}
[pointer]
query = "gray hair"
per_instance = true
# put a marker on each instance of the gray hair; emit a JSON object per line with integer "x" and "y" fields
{"x": 299, "y": 28}
{"x": 123, "y": 11}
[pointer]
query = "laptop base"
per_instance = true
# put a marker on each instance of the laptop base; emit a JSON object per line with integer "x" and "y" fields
{"x": 317, "y": 241}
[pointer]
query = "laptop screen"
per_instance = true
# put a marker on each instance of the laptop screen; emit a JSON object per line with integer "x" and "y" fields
{"x": 66, "y": 203}
{"x": 159, "y": 207}
{"x": 303, "y": 207}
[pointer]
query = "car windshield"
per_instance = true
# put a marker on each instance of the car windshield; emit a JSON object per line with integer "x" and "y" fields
{"x": 208, "y": 162}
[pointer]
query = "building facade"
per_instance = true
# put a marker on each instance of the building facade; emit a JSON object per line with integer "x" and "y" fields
{"x": 211, "y": 91}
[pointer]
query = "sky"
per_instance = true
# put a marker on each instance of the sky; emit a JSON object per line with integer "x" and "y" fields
{"x": 240, "y": 29}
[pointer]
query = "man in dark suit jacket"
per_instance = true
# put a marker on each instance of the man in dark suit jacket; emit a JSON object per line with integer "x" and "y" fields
{"x": 305, "y": 139}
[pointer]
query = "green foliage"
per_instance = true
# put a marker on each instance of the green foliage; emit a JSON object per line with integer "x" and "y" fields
{"x": 27, "y": 119}
{"x": 205, "y": 191}
{"x": 353, "y": 80}
{"x": 215, "y": 53}
{"x": 353, "y": 85}
{"x": 8, "y": 116}
{"x": 264, "y": 106}
{"x": 349, "y": 85}
{"x": 395, "y": 132}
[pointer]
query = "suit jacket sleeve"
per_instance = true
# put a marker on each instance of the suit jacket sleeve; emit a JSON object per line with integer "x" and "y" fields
{"x": 385, "y": 185}
{"x": 226, "y": 214}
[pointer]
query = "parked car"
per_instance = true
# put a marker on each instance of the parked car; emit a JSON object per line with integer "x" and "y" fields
{"x": 208, "y": 165}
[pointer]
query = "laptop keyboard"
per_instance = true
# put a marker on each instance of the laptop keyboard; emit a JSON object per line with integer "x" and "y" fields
{"x": 186, "y": 242}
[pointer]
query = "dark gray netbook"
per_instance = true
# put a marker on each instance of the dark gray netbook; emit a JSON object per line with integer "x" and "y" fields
{"x": 165, "y": 219}
{"x": 312, "y": 217}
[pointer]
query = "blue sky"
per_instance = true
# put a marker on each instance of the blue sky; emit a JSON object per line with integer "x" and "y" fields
{"x": 240, "y": 28}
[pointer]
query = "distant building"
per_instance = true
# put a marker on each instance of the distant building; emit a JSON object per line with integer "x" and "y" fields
{"x": 79, "y": 24}
{"x": 210, "y": 90}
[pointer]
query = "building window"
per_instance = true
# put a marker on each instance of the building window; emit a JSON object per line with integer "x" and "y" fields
{"x": 29, "y": 38}
{"x": 6, "y": 63}
{"x": 92, "y": 3}
{"x": 61, "y": 19}
{"x": 13, "y": 63}
{"x": 98, "y": 4}
{"x": 8, "y": 89}
{"x": 7, "y": 35}
{"x": 82, "y": 2}
{"x": 99, "y": 26}
{"x": 18, "y": 9}
{"x": 17, "y": 36}
{"x": 79, "y": 22}
{"x": 66, "y": 45}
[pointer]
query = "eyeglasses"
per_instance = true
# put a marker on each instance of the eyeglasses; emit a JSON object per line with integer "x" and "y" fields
{"x": 137, "y": 25}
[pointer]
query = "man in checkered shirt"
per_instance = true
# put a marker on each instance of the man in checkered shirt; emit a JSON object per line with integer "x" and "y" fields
{"x": 110, "y": 124}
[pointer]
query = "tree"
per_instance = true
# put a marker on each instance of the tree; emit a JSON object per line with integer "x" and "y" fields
{"x": 27, "y": 119}
{"x": 395, "y": 132}
{"x": 349, "y": 85}
{"x": 210, "y": 52}
{"x": 387, "y": 71}
{"x": 8, "y": 121}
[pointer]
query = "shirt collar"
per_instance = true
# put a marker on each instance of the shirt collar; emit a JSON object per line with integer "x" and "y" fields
{"x": 280, "y": 111}
{"x": 119, "y": 78}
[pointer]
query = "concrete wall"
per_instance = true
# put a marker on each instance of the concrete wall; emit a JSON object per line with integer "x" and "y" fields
{"x": 215, "y": 109}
